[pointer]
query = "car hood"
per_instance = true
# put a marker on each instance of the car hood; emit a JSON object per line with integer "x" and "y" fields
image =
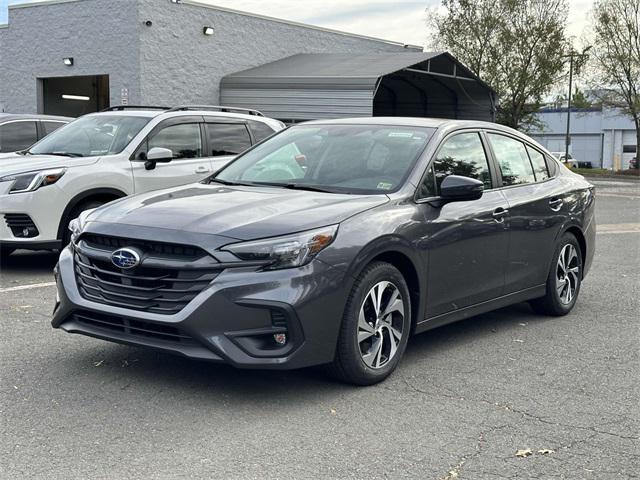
{"x": 238, "y": 212}
{"x": 14, "y": 163}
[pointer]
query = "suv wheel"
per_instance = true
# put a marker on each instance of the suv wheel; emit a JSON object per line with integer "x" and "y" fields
{"x": 375, "y": 326}
{"x": 75, "y": 213}
{"x": 564, "y": 280}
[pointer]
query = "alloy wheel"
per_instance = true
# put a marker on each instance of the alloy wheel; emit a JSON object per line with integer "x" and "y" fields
{"x": 567, "y": 274}
{"x": 380, "y": 324}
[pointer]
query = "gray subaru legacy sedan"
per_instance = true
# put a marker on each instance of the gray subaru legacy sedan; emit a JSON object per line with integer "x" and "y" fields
{"x": 332, "y": 242}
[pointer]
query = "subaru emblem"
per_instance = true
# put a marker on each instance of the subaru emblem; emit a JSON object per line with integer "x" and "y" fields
{"x": 125, "y": 258}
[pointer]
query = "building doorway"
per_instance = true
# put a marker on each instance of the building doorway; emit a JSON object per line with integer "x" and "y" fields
{"x": 73, "y": 96}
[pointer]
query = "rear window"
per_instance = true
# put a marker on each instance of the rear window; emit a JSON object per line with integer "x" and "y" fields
{"x": 513, "y": 160}
{"x": 227, "y": 138}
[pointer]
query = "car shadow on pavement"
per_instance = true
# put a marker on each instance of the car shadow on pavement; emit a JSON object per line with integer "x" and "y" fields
{"x": 144, "y": 369}
{"x": 24, "y": 261}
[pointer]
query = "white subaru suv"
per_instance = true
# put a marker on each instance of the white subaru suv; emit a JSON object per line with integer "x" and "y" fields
{"x": 104, "y": 156}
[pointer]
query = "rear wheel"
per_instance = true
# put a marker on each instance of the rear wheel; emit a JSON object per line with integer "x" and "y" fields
{"x": 375, "y": 326}
{"x": 564, "y": 280}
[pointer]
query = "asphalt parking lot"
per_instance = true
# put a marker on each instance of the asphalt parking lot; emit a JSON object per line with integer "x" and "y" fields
{"x": 465, "y": 399}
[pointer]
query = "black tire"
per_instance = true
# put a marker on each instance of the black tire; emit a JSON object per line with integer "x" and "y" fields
{"x": 349, "y": 364}
{"x": 554, "y": 303}
{"x": 75, "y": 213}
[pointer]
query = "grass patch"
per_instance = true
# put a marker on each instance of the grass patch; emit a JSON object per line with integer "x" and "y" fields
{"x": 604, "y": 172}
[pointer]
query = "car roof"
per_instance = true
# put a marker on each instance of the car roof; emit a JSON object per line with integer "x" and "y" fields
{"x": 152, "y": 113}
{"x": 415, "y": 122}
{"x": 32, "y": 116}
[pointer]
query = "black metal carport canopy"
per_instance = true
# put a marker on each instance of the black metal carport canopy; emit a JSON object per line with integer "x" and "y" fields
{"x": 333, "y": 85}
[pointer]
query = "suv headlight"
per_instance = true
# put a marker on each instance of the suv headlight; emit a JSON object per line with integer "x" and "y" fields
{"x": 30, "y": 181}
{"x": 287, "y": 251}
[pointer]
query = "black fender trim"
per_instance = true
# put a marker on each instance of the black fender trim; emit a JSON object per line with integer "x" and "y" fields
{"x": 64, "y": 219}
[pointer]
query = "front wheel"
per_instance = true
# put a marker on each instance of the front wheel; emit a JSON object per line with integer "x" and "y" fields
{"x": 375, "y": 326}
{"x": 564, "y": 280}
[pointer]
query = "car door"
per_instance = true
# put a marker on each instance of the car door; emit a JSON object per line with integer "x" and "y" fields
{"x": 183, "y": 136}
{"x": 537, "y": 211}
{"x": 17, "y": 135}
{"x": 225, "y": 138}
{"x": 465, "y": 242}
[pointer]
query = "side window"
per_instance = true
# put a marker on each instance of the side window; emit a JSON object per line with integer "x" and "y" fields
{"x": 17, "y": 136}
{"x": 49, "y": 127}
{"x": 513, "y": 160}
{"x": 463, "y": 155}
{"x": 260, "y": 130}
{"x": 227, "y": 138}
{"x": 539, "y": 165}
{"x": 183, "y": 140}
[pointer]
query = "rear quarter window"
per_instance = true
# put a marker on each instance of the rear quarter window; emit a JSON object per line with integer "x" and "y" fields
{"x": 260, "y": 130}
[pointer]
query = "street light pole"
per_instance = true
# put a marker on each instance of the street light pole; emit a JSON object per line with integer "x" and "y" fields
{"x": 567, "y": 139}
{"x": 571, "y": 55}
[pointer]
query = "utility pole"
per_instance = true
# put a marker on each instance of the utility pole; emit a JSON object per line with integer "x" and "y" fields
{"x": 571, "y": 55}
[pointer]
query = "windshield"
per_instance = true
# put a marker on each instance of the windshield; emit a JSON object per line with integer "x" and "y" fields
{"x": 91, "y": 135}
{"x": 335, "y": 158}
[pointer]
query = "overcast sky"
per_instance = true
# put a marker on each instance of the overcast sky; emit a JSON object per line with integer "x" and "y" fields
{"x": 399, "y": 20}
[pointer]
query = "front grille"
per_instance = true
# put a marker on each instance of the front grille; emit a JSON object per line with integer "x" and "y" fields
{"x": 109, "y": 243}
{"x": 168, "y": 278}
{"x": 21, "y": 225}
{"x": 133, "y": 328}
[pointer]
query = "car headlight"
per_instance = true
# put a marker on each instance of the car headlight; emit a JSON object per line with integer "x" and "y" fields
{"x": 287, "y": 251}
{"x": 30, "y": 181}
{"x": 77, "y": 224}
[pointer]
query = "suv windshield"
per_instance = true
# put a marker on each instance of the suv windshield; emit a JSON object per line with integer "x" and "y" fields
{"x": 335, "y": 158}
{"x": 92, "y": 135}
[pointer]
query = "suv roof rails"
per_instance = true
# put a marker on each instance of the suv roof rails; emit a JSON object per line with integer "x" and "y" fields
{"x": 218, "y": 108}
{"x": 119, "y": 108}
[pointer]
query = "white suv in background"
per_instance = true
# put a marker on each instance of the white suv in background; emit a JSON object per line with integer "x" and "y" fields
{"x": 107, "y": 155}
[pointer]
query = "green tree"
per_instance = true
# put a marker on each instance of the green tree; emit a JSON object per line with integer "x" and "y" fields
{"x": 579, "y": 100}
{"x": 616, "y": 54}
{"x": 516, "y": 46}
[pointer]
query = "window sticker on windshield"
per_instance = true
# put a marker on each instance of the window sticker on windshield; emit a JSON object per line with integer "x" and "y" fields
{"x": 401, "y": 134}
{"x": 384, "y": 186}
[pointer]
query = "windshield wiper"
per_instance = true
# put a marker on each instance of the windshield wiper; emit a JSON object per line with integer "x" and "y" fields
{"x": 227, "y": 182}
{"x": 63, "y": 154}
{"x": 302, "y": 186}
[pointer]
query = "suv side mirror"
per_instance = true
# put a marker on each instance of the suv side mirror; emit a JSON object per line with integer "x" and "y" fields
{"x": 157, "y": 155}
{"x": 457, "y": 188}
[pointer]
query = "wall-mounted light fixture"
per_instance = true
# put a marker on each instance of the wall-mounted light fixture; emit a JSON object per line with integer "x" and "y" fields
{"x": 207, "y": 30}
{"x": 68, "y": 61}
{"x": 82, "y": 98}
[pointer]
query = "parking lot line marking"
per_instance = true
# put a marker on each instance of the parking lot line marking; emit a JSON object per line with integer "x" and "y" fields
{"x": 27, "y": 287}
{"x": 619, "y": 195}
{"x": 616, "y": 232}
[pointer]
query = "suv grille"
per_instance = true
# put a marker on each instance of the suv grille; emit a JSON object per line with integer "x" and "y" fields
{"x": 168, "y": 278}
{"x": 131, "y": 327}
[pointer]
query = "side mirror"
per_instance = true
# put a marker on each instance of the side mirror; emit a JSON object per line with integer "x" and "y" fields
{"x": 157, "y": 155}
{"x": 457, "y": 188}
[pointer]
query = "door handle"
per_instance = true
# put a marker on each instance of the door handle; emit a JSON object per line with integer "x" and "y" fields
{"x": 499, "y": 214}
{"x": 202, "y": 169}
{"x": 556, "y": 204}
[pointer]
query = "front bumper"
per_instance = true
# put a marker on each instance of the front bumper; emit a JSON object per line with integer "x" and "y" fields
{"x": 44, "y": 207}
{"x": 231, "y": 321}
